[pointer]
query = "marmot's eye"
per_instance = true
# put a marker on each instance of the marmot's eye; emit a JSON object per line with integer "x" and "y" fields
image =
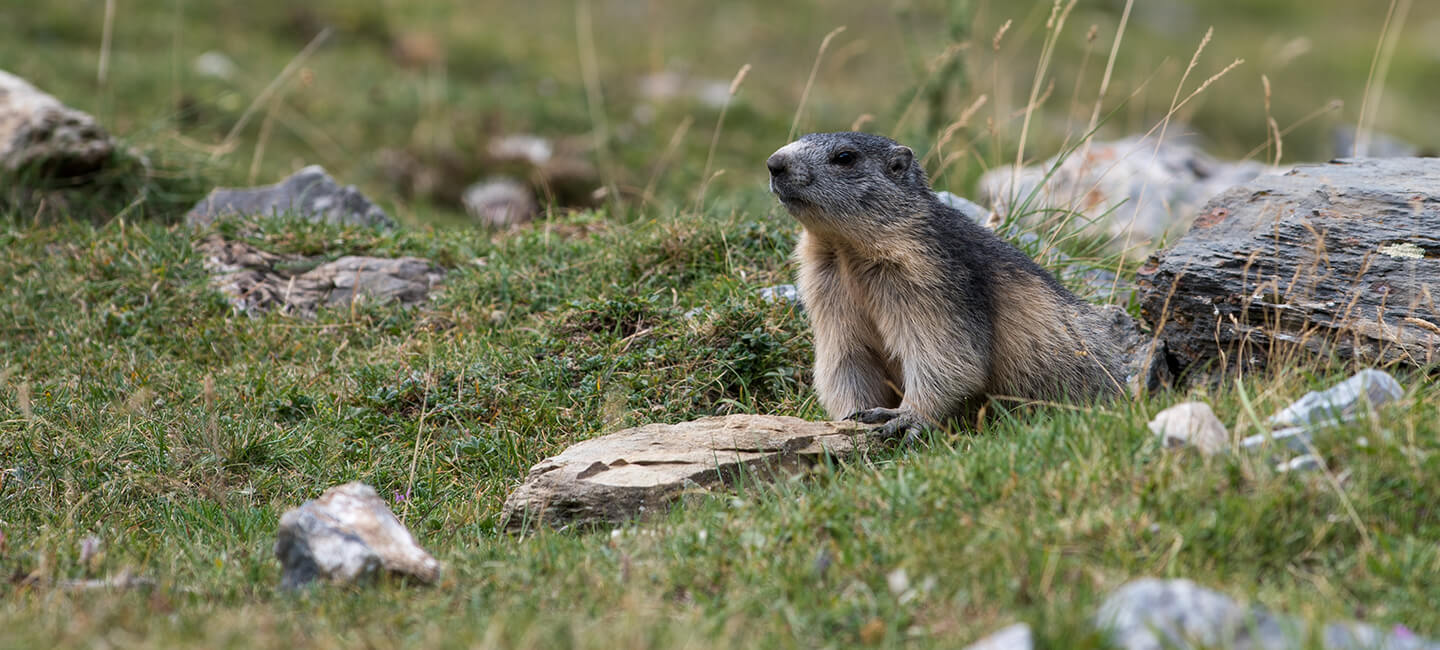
{"x": 844, "y": 158}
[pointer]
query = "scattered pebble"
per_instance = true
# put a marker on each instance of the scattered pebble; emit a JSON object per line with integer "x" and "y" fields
{"x": 214, "y": 65}
{"x": 898, "y": 581}
{"x": 39, "y": 132}
{"x": 533, "y": 149}
{"x": 1295, "y": 438}
{"x": 1191, "y": 424}
{"x": 1014, "y": 637}
{"x": 779, "y": 292}
{"x": 670, "y": 86}
{"x": 1303, "y": 463}
{"x": 501, "y": 202}
{"x": 1299, "y": 422}
{"x": 1341, "y": 402}
{"x": 347, "y": 535}
{"x": 1153, "y": 614}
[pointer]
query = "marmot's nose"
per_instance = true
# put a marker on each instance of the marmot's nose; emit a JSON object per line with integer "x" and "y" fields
{"x": 778, "y": 164}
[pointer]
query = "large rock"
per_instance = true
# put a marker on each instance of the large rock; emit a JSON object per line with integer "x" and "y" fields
{"x": 972, "y": 210}
{"x": 1126, "y": 185}
{"x": 257, "y": 280}
{"x": 1376, "y": 145}
{"x": 1151, "y": 614}
{"x": 310, "y": 194}
{"x": 37, "y": 132}
{"x": 616, "y": 477}
{"x": 348, "y": 534}
{"x": 1332, "y": 259}
{"x": 1142, "y": 355}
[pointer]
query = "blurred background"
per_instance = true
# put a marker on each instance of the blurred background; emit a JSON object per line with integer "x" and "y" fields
{"x": 415, "y": 100}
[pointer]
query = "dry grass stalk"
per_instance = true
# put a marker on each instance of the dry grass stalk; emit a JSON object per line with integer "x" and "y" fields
{"x": 814, "y": 69}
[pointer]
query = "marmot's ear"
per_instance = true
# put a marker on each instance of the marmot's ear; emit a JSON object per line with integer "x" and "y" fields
{"x": 900, "y": 157}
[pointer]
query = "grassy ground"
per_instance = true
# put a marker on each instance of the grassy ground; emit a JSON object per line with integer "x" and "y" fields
{"x": 137, "y": 408}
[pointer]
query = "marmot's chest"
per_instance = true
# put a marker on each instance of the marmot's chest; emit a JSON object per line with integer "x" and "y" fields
{"x": 881, "y": 283}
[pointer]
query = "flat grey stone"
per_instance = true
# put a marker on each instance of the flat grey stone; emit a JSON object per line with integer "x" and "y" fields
{"x": 1341, "y": 402}
{"x": 347, "y": 535}
{"x": 258, "y": 281}
{"x": 309, "y": 194}
{"x": 619, "y": 476}
{"x": 39, "y": 132}
{"x": 1298, "y": 424}
{"x": 1152, "y": 614}
{"x": 1293, "y": 438}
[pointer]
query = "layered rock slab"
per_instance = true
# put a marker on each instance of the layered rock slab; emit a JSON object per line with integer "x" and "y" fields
{"x": 619, "y": 476}
{"x": 1335, "y": 259}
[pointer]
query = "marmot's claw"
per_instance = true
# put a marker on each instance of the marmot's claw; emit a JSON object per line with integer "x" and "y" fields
{"x": 874, "y": 416}
{"x": 897, "y": 423}
{"x": 904, "y": 426}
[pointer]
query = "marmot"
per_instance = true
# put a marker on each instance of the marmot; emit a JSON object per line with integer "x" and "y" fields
{"x": 919, "y": 312}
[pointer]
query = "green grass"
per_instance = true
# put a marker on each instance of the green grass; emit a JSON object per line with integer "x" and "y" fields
{"x": 137, "y": 407}
{"x": 113, "y": 334}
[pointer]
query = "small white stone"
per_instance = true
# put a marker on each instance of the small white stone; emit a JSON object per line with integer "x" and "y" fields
{"x": 501, "y": 202}
{"x": 346, "y": 535}
{"x": 779, "y": 292}
{"x": 214, "y": 65}
{"x": 1193, "y": 424}
{"x": 1014, "y": 637}
{"x": 898, "y": 581}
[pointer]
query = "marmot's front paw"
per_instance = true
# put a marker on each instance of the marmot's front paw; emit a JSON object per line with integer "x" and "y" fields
{"x": 874, "y": 416}
{"x": 897, "y": 422}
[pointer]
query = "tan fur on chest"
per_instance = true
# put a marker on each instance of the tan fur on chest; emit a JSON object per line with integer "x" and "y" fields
{"x": 882, "y": 311}
{"x": 874, "y": 291}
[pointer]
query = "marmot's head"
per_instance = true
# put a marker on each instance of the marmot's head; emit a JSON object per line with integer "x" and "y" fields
{"x": 838, "y": 180}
